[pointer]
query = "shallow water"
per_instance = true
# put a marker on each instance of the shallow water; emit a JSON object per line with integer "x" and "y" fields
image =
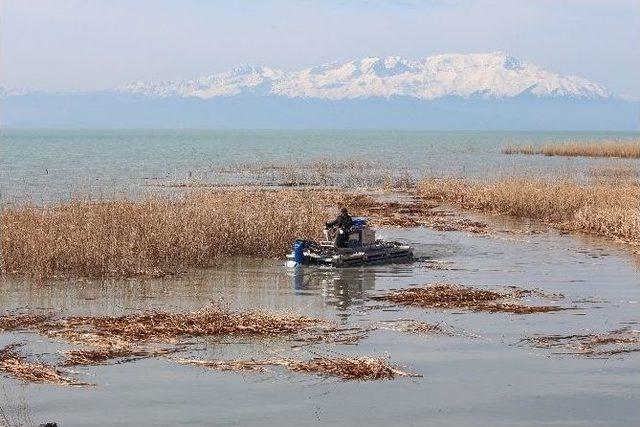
{"x": 45, "y": 165}
{"x": 482, "y": 376}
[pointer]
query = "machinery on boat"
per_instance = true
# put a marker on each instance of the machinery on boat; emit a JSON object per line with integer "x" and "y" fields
{"x": 362, "y": 247}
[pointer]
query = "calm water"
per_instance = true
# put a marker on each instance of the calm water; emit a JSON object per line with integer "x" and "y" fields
{"x": 481, "y": 377}
{"x": 47, "y": 164}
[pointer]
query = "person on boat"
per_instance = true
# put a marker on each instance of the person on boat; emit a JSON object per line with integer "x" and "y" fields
{"x": 340, "y": 227}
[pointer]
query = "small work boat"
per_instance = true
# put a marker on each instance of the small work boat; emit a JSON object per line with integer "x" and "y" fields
{"x": 362, "y": 247}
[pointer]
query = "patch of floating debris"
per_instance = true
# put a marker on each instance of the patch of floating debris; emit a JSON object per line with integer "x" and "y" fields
{"x": 16, "y": 365}
{"x": 602, "y": 344}
{"x": 448, "y": 296}
{"x": 343, "y": 367}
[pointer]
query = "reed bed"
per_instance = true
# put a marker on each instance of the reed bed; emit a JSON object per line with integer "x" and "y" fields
{"x": 14, "y": 364}
{"x": 343, "y": 367}
{"x": 161, "y": 235}
{"x": 591, "y": 345}
{"x": 157, "y": 235}
{"x": 610, "y": 210}
{"x": 447, "y": 296}
{"x": 319, "y": 172}
{"x": 620, "y": 149}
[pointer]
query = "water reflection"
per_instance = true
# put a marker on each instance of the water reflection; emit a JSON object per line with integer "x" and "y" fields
{"x": 340, "y": 288}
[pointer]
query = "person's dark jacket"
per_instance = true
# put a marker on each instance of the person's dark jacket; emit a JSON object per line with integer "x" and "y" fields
{"x": 343, "y": 221}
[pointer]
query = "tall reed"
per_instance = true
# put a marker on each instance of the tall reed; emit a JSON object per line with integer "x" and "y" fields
{"x": 608, "y": 209}
{"x": 621, "y": 149}
{"x": 156, "y": 235}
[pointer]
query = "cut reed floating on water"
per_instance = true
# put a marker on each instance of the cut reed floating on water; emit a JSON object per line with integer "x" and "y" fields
{"x": 449, "y": 296}
{"x": 115, "y": 332}
{"x": 17, "y": 366}
{"x": 621, "y": 149}
{"x": 345, "y": 368}
{"x": 591, "y": 345}
{"x": 21, "y": 321}
{"x": 105, "y": 355}
{"x": 416, "y": 327}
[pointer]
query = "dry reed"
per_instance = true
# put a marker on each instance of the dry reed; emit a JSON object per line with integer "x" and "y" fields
{"x": 323, "y": 172}
{"x": 121, "y": 331}
{"x": 591, "y": 345}
{"x": 20, "y": 321}
{"x": 105, "y": 355}
{"x": 156, "y": 235}
{"x": 448, "y": 296}
{"x": 343, "y": 367}
{"x": 131, "y": 337}
{"x": 17, "y": 366}
{"x": 610, "y": 210}
{"x": 621, "y": 149}
{"x": 417, "y": 327}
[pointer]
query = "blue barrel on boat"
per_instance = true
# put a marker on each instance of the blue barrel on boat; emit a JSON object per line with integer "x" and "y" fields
{"x": 298, "y": 251}
{"x": 359, "y": 223}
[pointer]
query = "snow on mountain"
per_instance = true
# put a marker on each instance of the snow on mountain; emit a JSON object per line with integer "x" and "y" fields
{"x": 242, "y": 79}
{"x": 486, "y": 75}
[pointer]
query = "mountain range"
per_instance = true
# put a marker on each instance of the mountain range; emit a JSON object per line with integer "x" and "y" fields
{"x": 458, "y": 91}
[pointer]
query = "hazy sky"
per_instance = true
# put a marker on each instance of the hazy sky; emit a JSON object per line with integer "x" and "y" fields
{"x": 92, "y": 44}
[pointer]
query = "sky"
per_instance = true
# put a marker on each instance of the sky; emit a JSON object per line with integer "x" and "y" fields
{"x": 62, "y": 45}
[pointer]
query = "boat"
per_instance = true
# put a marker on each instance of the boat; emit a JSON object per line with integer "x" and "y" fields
{"x": 360, "y": 248}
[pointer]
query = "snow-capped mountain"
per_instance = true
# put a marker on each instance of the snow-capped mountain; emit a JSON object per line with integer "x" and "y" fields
{"x": 486, "y": 75}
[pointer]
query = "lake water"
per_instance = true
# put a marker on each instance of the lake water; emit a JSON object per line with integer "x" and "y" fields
{"x": 44, "y": 165}
{"x": 481, "y": 376}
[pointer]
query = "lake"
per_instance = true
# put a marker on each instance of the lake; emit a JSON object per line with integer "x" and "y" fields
{"x": 482, "y": 375}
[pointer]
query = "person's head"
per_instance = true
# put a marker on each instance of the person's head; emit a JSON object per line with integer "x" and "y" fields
{"x": 344, "y": 211}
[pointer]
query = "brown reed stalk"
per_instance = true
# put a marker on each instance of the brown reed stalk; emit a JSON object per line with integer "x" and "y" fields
{"x": 17, "y": 366}
{"x": 620, "y": 149}
{"x": 447, "y": 296}
{"x": 157, "y": 235}
{"x": 607, "y": 209}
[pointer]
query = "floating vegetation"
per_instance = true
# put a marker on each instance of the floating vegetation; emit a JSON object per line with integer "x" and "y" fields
{"x": 622, "y": 149}
{"x": 414, "y": 212}
{"x": 348, "y": 368}
{"x": 168, "y": 327}
{"x": 591, "y": 345}
{"x": 449, "y": 296}
{"x": 20, "y": 321}
{"x": 230, "y": 365}
{"x": 343, "y": 367}
{"x": 131, "y": 337}
{"x": 416, "y": 327}
{"x": 332, "y": 335}
{"x": 103, "y": 356}
{"x": 16, "y": 365}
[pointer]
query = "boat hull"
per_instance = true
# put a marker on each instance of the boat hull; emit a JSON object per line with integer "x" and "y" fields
{"x": 343, "y": 257}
